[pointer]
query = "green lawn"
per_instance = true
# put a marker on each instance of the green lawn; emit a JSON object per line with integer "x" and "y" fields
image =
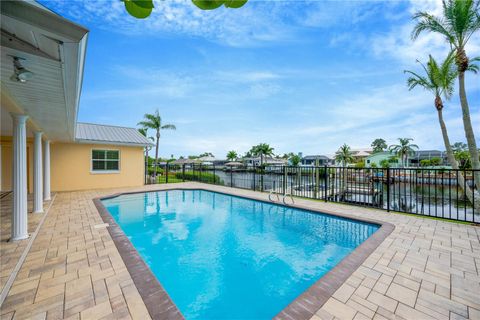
{"x": 171, "y": 179}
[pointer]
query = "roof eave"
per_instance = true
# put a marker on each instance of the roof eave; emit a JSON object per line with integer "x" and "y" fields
{"x": 114, "y": 143}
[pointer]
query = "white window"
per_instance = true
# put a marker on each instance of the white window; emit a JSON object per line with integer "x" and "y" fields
{"x": 105, "y": 160}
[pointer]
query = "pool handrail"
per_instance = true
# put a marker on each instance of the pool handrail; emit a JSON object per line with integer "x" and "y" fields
{"x": 273, "y": 193}
{"x": 291, "y": 198}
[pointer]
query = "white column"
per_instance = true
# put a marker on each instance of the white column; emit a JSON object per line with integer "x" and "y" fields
{"x": 46, "y": 170}
{"x": 37, "y": 173}
{"x": 19, "y": 215}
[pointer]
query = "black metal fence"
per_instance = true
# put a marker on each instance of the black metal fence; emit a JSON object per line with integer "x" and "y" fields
{"x": 442, "y": 193}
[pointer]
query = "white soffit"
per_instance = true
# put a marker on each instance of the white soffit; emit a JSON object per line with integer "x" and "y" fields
{"x": 54, "y": 50}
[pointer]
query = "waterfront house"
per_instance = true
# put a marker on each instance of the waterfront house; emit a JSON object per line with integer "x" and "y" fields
{"x": 414, "y": 160}
{"x": 267, "y": 161}
{"x": 314, "y": 160}
{"x": 361, "y": 154}
{"x": 377, "y": 158}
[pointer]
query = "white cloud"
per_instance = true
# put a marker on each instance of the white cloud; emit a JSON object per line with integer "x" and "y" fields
{"x": 252, "y": 24}
{"x": 246, "y": 76}
{"x": 398, "y": 43}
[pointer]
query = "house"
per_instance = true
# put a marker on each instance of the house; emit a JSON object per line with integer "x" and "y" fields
{"x": 377, "y": 159}
{"x": 414, "y": 160}
{"x": 43, "y": 147}
{"x": 268, "y": 161}
{"x": 207, "y": 160}
{"x": 314, "y": 160}
{"x": 361, "y": 154}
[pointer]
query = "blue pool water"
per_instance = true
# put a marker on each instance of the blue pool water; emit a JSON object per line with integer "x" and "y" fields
{"x": 225, "y": 257}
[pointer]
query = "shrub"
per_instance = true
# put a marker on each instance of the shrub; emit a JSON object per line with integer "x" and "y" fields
{"x": 435, "y": 161}
{"x": 151, "y": 170}
{"x": 385, "y": 163}
{"x": 360, "y": 164}
{"x": 200, "y": 176}
{"x": 425, "y": 163}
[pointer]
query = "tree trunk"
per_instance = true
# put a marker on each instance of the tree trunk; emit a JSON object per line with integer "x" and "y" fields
{"x": 156, "y": 155}
{"x": 467, "y": 124}
{"x": 451, "y": 158}
{"x": 146, "y": 153}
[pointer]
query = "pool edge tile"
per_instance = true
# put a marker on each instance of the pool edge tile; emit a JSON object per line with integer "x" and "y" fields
{"x": 159, "y": 304}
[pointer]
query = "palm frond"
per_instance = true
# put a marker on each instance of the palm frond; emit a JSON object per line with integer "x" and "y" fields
{"x": 169, "y": 127}
{"x": 418, "y": 80}
{"x": 429, "y": 23}
{"x": 472, "y": 66}
{"x": 147, "y": 124}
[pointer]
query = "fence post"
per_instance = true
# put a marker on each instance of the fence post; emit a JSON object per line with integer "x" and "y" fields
{"x": 214, "y": 178}
{"x": 261, "y": 178}
{"x": 166, "y": 173}
{"x": 285, "y": 175}
{"x": 231, "y": 176}
{"x": 325, "y": 182}
{"x": 388, "y": 189}
{"x": 254, "y": 177}
{"x": 183, "y": 172}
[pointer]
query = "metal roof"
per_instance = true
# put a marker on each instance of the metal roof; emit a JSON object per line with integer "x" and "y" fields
{"x": 99, "y": 133}
{"x": 314, "y": 157}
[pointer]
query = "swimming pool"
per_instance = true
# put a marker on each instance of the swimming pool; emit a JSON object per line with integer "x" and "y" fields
{"x": 225, "y": 257}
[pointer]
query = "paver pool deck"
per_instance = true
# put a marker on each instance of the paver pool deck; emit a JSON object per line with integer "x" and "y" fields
{"x": 425, "y": 269}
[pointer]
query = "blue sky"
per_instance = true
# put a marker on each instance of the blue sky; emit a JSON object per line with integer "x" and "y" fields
{"x": 301, "y": 76}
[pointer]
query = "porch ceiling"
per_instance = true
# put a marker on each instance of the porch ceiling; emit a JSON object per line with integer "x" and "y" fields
{"x": 54, "y": 50}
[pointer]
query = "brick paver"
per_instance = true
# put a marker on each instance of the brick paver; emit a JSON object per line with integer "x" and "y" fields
{"x": 425, "y": 269}
{"x": 10, "y": 251}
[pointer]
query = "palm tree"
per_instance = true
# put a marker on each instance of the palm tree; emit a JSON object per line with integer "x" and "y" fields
{"x": 459, "y": 146}
{"x": 459, "y": 21}
{"x": 154, "y": 121}
{"x": 144, "y": 132}
{"x": 344, "y": 155}
{"x": 403, "y": 149}
{"x": 295, "y": 160}
{"x": 440, "y": 80}
{"x": 232, "y": 155}
{"x": 262, "y": 150}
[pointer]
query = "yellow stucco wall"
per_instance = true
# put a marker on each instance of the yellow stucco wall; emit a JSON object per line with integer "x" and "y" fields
{"x": 7, "y": 163}
{"x": 71, "y": 167}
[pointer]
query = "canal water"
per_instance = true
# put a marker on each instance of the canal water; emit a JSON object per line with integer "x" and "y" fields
{"x": 446, "y": 201}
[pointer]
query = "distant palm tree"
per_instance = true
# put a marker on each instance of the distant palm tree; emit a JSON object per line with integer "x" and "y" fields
{"x": 403, "y": 149}
{"x": 459, "y": 146}
{"x": 262, "y": 150}
{"x": 459, "y": 21}
{"x": 144, "y": 132}
{"x": 344, "y": 155}
{"x": 440, "y": 80}
{"x": 154, "y": 121}
{"x": 232, "y": 155}
{"x": 295, "y": 159}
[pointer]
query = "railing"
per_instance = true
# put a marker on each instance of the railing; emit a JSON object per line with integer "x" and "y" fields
{"x": 441, "y": 193}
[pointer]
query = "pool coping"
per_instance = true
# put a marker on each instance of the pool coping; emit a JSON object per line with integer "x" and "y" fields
{"x": 161, "y": 306}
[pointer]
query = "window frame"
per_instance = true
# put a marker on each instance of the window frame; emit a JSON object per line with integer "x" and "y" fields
{"x": 96, "y": 171}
